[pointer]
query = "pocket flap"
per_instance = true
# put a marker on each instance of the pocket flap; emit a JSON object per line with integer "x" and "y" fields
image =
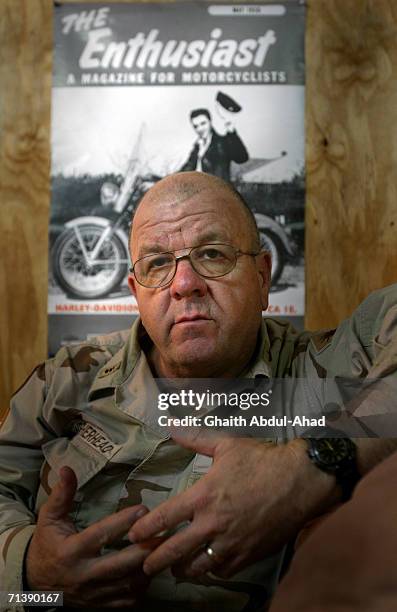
{"x": 87, "y": 453}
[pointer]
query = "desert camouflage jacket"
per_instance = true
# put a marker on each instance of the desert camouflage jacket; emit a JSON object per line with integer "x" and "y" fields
{"x": 91, "y": 407}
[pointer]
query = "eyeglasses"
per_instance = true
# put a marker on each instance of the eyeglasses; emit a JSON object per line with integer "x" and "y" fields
{"x": 208, "y": 260}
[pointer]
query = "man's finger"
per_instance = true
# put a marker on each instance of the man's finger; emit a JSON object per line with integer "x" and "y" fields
{"x": 198, "y": 439}
{"x": 196, "y": 567}
{"x": 224, "y": 566}
{"x": 118, "y": 565}
{"x": 60, "y": 501}
{"x": 102, "y": 533}
{"x": 166, "y": 516}
{"x": 175, "y": 549}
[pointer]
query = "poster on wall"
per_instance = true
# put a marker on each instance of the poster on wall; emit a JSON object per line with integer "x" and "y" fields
{"x": 144, "y": 90}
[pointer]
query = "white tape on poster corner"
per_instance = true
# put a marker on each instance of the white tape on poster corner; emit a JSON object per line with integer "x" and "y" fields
{"x": 247, "y": 10}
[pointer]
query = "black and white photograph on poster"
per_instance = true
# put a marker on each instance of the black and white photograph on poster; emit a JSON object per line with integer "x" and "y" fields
{"x": 127, "y": 111}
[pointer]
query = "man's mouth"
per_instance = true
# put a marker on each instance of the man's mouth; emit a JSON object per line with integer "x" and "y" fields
{"x": 186, "y": 319}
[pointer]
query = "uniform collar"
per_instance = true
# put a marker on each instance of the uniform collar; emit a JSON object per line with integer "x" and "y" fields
{"x": 259, "y": 365}
{"x": 119, "y": 367}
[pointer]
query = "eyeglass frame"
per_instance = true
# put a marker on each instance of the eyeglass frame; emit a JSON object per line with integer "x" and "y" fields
{"x": 237, "y": 254}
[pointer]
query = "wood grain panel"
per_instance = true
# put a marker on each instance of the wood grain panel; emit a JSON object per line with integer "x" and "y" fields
{"x": 25, "y": 69}
{"x": 351, "y": 246}
{"x": 351, "y": 154}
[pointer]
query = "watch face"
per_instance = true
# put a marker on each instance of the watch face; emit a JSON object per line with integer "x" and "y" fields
{"x": 332, "y": 451}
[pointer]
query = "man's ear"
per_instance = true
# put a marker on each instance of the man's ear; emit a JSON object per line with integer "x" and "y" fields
{"x": 131, "y": 284}
{"x": 264, "y": 267}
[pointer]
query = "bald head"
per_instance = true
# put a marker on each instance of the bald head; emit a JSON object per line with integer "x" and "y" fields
{"x": 180, "y": 188}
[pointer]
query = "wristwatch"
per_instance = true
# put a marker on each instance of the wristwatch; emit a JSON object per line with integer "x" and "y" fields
{"x": 336, "y": 456}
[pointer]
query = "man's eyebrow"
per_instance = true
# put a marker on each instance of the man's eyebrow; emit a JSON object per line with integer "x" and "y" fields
{"x": 205, "y": 238}
{"x": 211, "y": 236}
{"x": 149, "y": 248}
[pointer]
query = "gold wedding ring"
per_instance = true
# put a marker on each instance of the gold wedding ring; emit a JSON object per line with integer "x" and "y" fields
{"x": 212, "y": 555}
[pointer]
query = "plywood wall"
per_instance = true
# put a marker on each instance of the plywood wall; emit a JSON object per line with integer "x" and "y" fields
{"x": 351, "y": 154}
{"x": 351, "y": 53}
{"x": 25, "y": 82}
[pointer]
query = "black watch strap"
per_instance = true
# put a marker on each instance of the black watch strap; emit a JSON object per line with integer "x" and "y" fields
{"x": 337, "y": 456}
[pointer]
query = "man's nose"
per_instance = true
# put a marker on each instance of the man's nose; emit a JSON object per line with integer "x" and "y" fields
{"x": 187, "y": 282}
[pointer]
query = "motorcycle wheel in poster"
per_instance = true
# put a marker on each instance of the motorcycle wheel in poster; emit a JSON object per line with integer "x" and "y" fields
{"x": 90, "y": 259}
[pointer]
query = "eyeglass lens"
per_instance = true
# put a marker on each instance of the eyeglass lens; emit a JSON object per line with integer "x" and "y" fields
{"x": 210, "y": 261}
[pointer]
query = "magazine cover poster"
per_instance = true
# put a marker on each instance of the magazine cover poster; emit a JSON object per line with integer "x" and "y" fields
{"x": 144, "y": 90}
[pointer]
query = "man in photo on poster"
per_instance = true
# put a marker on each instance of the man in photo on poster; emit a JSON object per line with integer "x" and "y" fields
{"x": 212, "y": 152}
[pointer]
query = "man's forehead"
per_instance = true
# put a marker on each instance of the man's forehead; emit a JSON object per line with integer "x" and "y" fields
{"x": 184, "y": 200}
{"x": 190, "y": 203}
{"x": 193, "y": 228}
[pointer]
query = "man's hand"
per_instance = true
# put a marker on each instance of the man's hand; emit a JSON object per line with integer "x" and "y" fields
{"x": 60, "y": 559}
{"x": 255, "y": 497}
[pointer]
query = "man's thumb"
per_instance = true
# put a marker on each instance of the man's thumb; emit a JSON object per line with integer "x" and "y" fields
{"x": 60, "y": 501}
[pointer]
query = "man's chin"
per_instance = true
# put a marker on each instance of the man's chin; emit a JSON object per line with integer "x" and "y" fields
{"x": 194, "y": 346}
{"x": 195, "y": 353}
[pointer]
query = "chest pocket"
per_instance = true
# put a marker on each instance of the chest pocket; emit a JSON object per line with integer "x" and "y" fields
{"x": 97, "y": 492}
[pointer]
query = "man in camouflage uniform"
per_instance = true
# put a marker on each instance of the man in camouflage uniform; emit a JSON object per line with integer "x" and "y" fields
{"x": 92, "y": 409}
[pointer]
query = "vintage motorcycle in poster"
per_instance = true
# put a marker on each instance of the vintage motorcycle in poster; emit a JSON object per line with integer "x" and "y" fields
{"x": 90, "y": 253}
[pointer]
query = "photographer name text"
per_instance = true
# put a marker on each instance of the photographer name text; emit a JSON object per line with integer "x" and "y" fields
{"x": 240, "y": 421}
